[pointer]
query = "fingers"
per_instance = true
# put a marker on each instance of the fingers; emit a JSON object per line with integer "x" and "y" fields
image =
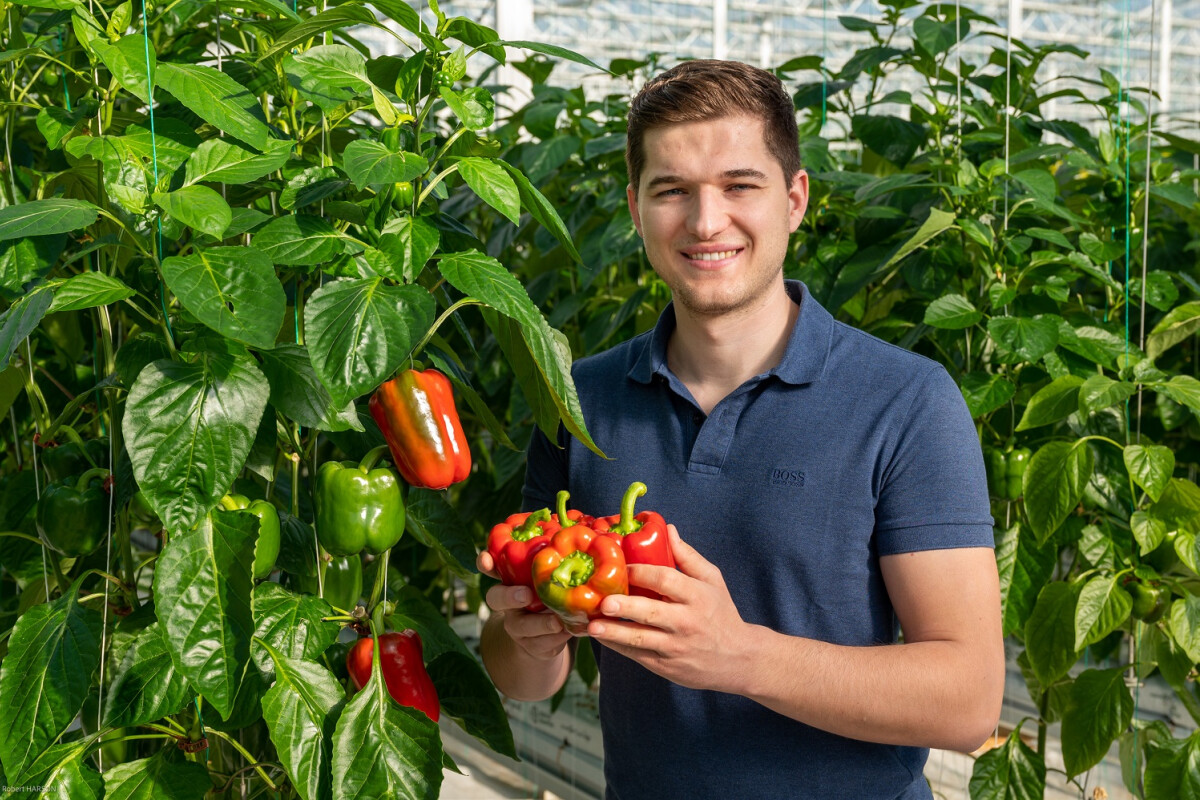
{"x": 486, "y": 564}
{"x": 690, "y": 562}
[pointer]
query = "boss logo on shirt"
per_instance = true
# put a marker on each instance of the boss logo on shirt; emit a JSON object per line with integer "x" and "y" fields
{"x": 787, "y": 477}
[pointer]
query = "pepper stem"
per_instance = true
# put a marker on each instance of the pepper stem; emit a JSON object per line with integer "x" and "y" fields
{"x": 373, "y": 455}
{"x": 628, "y": 524}
{"x": 86, "y": 477}
{"x": 530, "y": 528}
{"x": 229, "y": 504}
{"x": 563, "y": 520}
{"x": 575, "y": 570}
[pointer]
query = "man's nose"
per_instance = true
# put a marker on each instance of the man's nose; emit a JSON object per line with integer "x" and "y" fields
{"x": 708, "y": 215}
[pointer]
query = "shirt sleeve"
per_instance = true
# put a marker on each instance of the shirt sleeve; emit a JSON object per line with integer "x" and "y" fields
{"x": 933, "y": 492}
{"x": 545, "y": 469}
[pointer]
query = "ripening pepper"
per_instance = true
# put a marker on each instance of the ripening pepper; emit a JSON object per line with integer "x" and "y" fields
{"x": 266, "y": 548}
{"x": 72, "y": 515}
{"x": 1006, "y": 471}
{"x": 513, "y": 544}
{"x": 403, "y": 666}
{"x": 1150, "y": 599}
{"x": 577, "y": 570}
{"x": 416, "y": 413}
{"x": 643, "y": 537}
{"x": 357, "y": 507}
{"x": 343, "y": 582}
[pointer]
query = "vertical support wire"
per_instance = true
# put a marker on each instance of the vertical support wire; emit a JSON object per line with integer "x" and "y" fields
{"x": 1007, "y": 107}
{"x": 1146, "y": 207}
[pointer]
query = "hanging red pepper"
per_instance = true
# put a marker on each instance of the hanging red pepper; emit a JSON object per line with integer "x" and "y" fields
{"x": 513, "y": 544}
{"x": 403, "y": 665}
{"x": 643, "y": 537}
{"x": 577, "y": 570}
{"x": 416, "y": 413}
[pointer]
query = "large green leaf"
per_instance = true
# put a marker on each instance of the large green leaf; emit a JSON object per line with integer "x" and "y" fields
{"x": 1099, "y": 392}
{"x": 409, "y": 242}
{"x": 1012, "y": 772}
{"x": 432, "y": 520}
{"x": 147, "y": 686}
{"x": 1028, "y": 338}
{"x": 301, "y": 710}
{"x": 1054, "y": 482}
{"x": 72, "y": 779}
{"x": 88, "y": 290}
{"x": 1184, "y": 623}
{"x": 474, "y": 106}
{"x": 189, "y": 427}
{"x": 894, "y": 138}
{"x": 1150, "y": 466}
{"x": 937, "y": 222}
{"x": 19, "y": 320}
{"x": 468, "y": 696}
{"x": 1173, "y": 769}
{"x": 298, "y": 393}
{"x": 556, "y": 51}
{"x": 1183, "y": 389}
{"x": 1024, "y": 566}
{"x": 202, "y": 585}
{"x": 985, "y": 392}
{"x": 162, "y": 777}
{"x": 342, "y": 16}
{"x": 1103, "y": 606}
{"x": 127, "y": 60}
{"x": 23, "y": 261}
{"x": 1053, "y": 402}
{"x": 1101, "y": 709}
{"x": 542, "y": 210}
{"x": 328, "y": 74}
{"x": 952, "y": 311}
{"x": 292, "y": 624}
{"x": 493, "y": 185}
{"x": 937, "y": 36}
{"x": 1177, "y": 326}
{"x": 197, "y": 207}
{"x": 381, "y": 749}
{"x": 370, "y": 163}
{"x": 52, "y": 652}
{"x": 1050, "y": 631}
{"x": 299, "y": 240}
{"x": 233, "y": 290}
{"x": 358, "y": 332}
{"x": 44, "y": 217}
{"x": 218, "y": 99}
{"x": 219, "y": 160}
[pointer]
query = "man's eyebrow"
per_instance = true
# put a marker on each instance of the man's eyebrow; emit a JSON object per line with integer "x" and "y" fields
{"x": 729, "y": 174}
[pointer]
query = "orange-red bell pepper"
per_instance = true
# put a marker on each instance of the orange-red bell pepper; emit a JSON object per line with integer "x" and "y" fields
{"x": 416, "y": 413}
{"x": 577, "y": 570}
{"x": 643, "y": 537}
{"x": 513, "y": 544}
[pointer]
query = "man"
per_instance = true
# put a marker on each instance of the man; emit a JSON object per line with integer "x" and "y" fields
{"x": 823, "y": 486}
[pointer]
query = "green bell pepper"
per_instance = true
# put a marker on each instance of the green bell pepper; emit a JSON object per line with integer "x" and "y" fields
{"x": 72, "y": 516}
{"x": 343, "y": 582}
{"x": 266, "y": 549}
{"x": 72, "y": 458}
{"x": 1006, "y": 471}
{"x": 358, "y": 508}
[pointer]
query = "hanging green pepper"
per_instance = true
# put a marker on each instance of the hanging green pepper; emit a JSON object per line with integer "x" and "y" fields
{"x": 72, "y": 516}
{"x": 266, "y": 549}
{"x": 358, "y": 508}
{"x": 1006, "y": 471}
{"x": 72, "y": 458}
{"x": 343, "y": 582}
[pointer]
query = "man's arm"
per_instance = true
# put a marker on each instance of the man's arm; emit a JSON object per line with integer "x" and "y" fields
{"x": 942, "y": 687}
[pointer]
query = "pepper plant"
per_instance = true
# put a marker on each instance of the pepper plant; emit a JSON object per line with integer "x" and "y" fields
{"x": 222, "y": 227}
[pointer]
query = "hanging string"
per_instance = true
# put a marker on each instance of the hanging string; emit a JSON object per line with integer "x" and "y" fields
{"x": 1146, "y": 209}
{"x": 824, "y": 60}
{"x": 1007, "y": 107}
{"x": 958, "y": 73}
{"x": 162, "y": 289}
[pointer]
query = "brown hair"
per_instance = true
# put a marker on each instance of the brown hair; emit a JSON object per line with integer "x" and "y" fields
{"x": 700, "y": 90}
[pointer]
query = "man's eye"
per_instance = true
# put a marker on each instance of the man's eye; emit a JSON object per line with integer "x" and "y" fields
{"x": 669, "y": 192}
{"x": 741, "y": 187}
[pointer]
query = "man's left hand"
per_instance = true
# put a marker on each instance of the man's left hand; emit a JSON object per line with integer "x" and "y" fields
{"x": 693, "y": 636}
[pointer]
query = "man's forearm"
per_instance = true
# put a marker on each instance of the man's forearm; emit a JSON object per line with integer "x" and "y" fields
{"x": 516, "y": 673}
{"x": 930, "y": 693}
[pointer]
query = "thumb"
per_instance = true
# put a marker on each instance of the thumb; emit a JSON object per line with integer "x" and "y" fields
{"x": 689, "y": 561}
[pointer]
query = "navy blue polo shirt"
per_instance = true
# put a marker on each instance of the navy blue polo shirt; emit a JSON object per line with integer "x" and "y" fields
{"x": 794, "y": 486}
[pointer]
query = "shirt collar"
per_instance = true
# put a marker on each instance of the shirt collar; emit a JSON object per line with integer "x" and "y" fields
{"x": 803, "y": 360}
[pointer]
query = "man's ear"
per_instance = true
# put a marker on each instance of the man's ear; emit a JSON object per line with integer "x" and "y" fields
{"x": 631, "y": 196}
{"x": 797, "y": 200}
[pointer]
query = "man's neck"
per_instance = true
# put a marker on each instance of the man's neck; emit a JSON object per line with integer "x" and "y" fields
{"x": 715, "y": 355}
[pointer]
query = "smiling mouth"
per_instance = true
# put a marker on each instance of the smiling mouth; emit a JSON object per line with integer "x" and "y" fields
{"x": 717, "y": 256}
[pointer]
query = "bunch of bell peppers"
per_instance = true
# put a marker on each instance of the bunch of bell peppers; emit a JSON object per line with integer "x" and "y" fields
{"x": 573, "y": 561}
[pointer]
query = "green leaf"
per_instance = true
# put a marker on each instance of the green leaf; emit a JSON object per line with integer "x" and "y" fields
{"x": 381, "y": 749}
{"x": 52, "y": 652}
{"x": 893, "y": 138}
{"x": 147, "y": 686}
{"x": 414, "y": 610}
{"x": 217, "y": 99}
{"x": 556, "y": 51}
{"x": 1184, "y": 623}
{"x": 88, "y": 290}
{"x": 298, "y": 393}
{"x": 1100, "y": 251}
{"x": 938, "y": 37}
{"x": 542, "y": 210}
{"x": 202, "y": 584}
{"x": 985, "y": 393}
{"x": 222, "y": 161}
{"x": 1039, "y": 182}
{"x": 370, "y": 163}
{"x": 189, "y": 428}
{"x": 1183, "y": 389}
{"x": 1054, "y": 483}
{"x": 44, "y": 217}
{"x": 312, "y": 186}
{"x": 1101, "y": 709}
{"x": 23, "y": 261}
{"x": 71, "y": 779}
{"x": 435, "y": 523}
{"x": 197, "y": 207}
{"x": 358, "y": 332}
{"x": 162, "y": 777}
{"x": 1103, "y": 607}
{"x": 342, "y": 16}
{"x": 1099, "y": 392}
{"x": 1050, "y": 631}
{"x": 298, "y": 240}
{"x": 541, "y": 159}
{"x": 1024, "y": 566}
{"x": 1148, "y": 530}
{"x": 1053, "y": 402}
{"x": 1173, "y": 769}
{"x": 301, "y": 710}
{"x": 127, "y": 61}
{"x": 1012, "y": 772}
{"x": 291, "y": 624}
{"x": 953, "y": 312}
{"x": 474, "y": 107}
{"x": 1049, "y": 235}
{"x": 1179, "y": 505}
{"x": 409, "y": 242}
{"x": 1177, "y": 326}
{"x": 1028, "y": 338}
{"x": 19, "y": 320}
{"x": 233, "y": 290}
{"x": 935, "y": 223}
{"x": 328, "y": 74}
{"x": 468, "y": 696}
{"x": 493, "y": 185}
{"x": 1150, "y": 466}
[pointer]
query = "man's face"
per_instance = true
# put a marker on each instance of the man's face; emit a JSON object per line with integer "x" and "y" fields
{"x": 715, "y": 212}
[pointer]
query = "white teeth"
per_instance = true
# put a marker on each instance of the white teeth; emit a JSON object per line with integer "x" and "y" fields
{"x": 713, "y": 256}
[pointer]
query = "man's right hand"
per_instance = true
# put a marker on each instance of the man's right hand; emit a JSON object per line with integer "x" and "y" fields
{"x": 540, "y": 635}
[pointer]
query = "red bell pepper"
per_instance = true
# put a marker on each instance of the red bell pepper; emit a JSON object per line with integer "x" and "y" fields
{"x": 403, "y": 666}
{"x": 416, "y": 413}
{"x": 577, "y": 570}
{"x": 513, "y": 544}
{"x": 643, "y": 537}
